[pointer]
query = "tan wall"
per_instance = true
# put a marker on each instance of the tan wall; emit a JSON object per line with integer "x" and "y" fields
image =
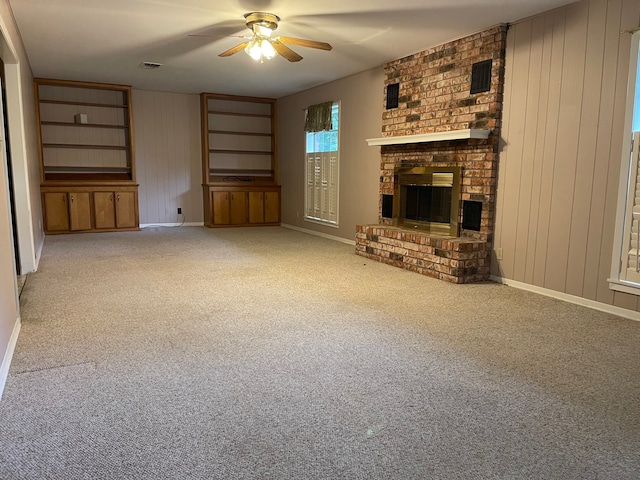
{"x": 168, "y": 159}
{"x": 361, "y": 116}
{"x": 564, "y": 106}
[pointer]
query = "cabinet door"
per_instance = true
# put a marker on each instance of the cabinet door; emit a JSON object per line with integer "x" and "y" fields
{"x": 79, "y": 211}
{"x": 126, "y": 210}
{"x": 104, "y": 209}
{"x": 238, "y": 207}
{"x": 272, "y": 207}
{"x": 220, "y": 206}
{"x": 56, "y": 212}
{"x": 256, "y": 207}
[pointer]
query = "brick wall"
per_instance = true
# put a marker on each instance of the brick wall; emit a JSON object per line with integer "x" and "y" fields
{"x": 435, "y": 96}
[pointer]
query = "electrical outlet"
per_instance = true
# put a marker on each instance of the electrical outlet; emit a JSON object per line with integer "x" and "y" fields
{"x": 179, "y": 211}
{"x": 166, "y": 211}
{"x": 499, "y": 253}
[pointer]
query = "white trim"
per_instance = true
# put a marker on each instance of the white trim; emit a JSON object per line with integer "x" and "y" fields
{"x": 319, "y": 234}
{"x": 429, "y": 137}
{"x": 8, "y": 355}
{"x": 38, "y": 254}
{"x": 625, "y": 165}
{"x": 603, "y": 307}
{"x": 325, "y": 223}
{"x": 622, "y": 286}
{"x": 186, "y": 224}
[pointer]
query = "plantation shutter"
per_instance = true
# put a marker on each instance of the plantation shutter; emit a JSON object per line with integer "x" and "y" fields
{"x": 630, "y": 270}
{"x": 332, "y": 187}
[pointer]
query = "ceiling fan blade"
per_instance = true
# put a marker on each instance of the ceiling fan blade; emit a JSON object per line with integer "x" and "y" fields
{"x": 236, "y": 49}
{"x": 286, "y": 52}
{"x": 304, "y": 43}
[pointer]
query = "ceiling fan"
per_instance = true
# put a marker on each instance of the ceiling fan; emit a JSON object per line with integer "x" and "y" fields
{"x": 261, "y": 45}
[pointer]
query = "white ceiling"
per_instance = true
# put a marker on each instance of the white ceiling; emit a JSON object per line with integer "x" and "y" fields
{"x": 106, "y": 40}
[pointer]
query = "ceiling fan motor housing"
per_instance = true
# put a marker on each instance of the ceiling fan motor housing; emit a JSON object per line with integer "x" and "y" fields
{"x": 264, "y": 19}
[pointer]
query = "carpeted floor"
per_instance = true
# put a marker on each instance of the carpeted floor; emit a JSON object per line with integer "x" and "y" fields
{"x": 265, "y": 353}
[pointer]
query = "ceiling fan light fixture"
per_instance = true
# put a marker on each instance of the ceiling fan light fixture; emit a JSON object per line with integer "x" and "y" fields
{"x": 260, "y": 48}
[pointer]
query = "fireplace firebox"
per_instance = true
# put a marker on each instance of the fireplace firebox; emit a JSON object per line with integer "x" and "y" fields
{"x": 427, "y": 199}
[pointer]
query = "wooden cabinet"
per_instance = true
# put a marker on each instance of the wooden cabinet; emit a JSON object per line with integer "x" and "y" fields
{"x": 85, "y": 140}
{"x": 242, "y": 206}
{"x": 239, "y": 161}
{"x": 106, "y": 208}
{"x": 56, "y": 212}
{"x": 79, "y": 211}
{"x": 126, "y": 211}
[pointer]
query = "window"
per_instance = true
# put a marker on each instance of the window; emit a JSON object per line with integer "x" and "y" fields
{"x": 322, "y": 171}
{"x": 625, "y": 270}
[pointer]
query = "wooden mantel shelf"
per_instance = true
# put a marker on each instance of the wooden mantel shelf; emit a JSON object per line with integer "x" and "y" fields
{"x": 430, "y": 137}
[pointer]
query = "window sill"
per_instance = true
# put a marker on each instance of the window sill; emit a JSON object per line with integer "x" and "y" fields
{"x": 320, "y": 222}
{"x": 625, "y": 287}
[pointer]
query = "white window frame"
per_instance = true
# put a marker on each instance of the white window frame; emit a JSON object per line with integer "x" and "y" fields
{"x": 322, "y": 183}
{"x": 619, "y": 280}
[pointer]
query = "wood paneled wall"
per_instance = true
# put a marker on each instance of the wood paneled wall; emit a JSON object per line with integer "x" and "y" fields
{"x": 563, "y": 122}
{"x": 168, "y": 161}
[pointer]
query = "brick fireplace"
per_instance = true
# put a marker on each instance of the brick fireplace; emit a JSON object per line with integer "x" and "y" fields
{"x": 441, "y": 121}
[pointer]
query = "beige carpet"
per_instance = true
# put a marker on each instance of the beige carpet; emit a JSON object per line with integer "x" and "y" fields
{"x": 265, "y": 353}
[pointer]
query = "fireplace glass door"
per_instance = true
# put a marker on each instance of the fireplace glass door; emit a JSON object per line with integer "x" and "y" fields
{"x": 427, "y": 198}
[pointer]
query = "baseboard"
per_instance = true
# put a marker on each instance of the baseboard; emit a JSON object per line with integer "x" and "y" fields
{"x": 38, "y": 255}
{"x": 319, "y": 234}
{"x": 186, "y": 224}
{"x": 603, "y": 307}
{"x": 6, "y": 361}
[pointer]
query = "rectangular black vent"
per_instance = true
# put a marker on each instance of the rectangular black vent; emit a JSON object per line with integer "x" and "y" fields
{"x": 481, "y": 76}
{"x": 387, "y": 206}
{"x": 471, "y": 215}
{"x": 393, "y": 93}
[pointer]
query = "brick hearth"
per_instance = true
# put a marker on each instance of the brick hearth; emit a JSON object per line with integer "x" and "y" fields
{"x": 457, "y": 260}
{"x": 435, "y": 97}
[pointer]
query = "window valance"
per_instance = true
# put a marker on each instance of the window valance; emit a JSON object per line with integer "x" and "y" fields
{"x": 318, "y": 117}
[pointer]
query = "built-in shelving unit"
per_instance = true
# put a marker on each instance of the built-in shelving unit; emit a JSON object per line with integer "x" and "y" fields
{"x": 239, "y": 160}
{"x": 85, "y": 140}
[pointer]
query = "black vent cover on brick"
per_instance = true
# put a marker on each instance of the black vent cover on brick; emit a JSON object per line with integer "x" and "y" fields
{"x": 393, "y": 93}
{"x": 471, "y": 215}
{"x": 481, "y": 77}
{"x": 387, "y": 206}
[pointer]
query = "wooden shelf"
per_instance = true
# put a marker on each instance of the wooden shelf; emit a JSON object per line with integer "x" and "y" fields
{"x": 239, "y": 161}
{"x": 85, "y": 125}
{"x": 84, "y": 104}
{"x": 240, "y": 152}
{"x": 430, "y": 137}
{"x": 240, "y": 172}
{"x": 230, "y": 132}
{"x": 90, "y": 197}
{"x": 83, "y": 178}
{"x": 86, "y": 146}
{"x": 260, "y": 115}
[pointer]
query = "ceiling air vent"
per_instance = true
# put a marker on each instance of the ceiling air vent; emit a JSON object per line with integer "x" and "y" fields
{"x": 150, "y": 65}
